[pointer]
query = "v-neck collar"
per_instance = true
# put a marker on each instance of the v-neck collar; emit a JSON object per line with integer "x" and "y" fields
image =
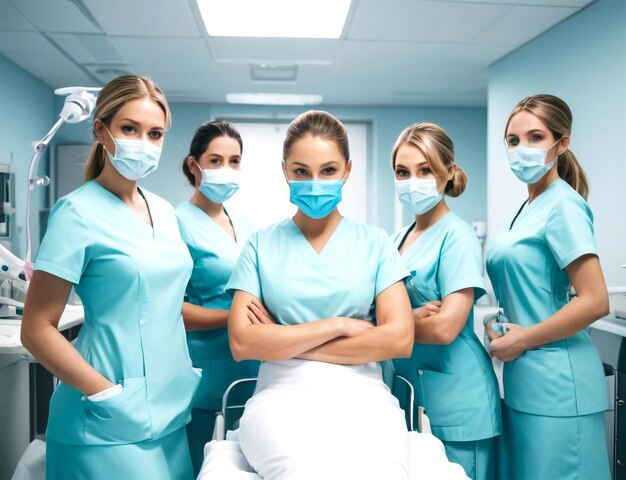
{"x": 214, "y": 225}
{"x": 425, "y": 233}
{"x": 129, "y": 213}
{"x": 306, "y": 245}
{"x": 526, "y": 207}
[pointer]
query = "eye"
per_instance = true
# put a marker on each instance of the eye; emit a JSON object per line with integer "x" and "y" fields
{"x": 425, "y": 171}
{"x": 329, "y": 170}
{"x": 300, "y": 172}
{"x": 128, "y": 129}
{"x": 401, "y": 172}
{"x": 513, "y": 141}
{"x": 536, "y": 138}
{"x": 214, "y": 161}
{"x": 235, "y": 161}
{"x": 156, "y": 134}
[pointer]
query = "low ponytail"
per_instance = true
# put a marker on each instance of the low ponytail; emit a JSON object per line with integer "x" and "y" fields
{"x": 570, "y": 170}
{"x": 95, "y": 162}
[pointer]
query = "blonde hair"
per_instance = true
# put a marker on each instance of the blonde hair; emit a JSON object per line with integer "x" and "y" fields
{"x": 437, "y": 147}
{"x": 557, "y": 117}
{"x": 110, "y": 100}
{"x": 318, "y": 124}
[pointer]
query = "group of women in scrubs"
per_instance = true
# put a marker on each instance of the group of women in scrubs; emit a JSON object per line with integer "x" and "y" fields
{"x": 320, "y": 300}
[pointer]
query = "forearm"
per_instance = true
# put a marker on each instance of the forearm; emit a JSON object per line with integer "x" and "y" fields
{"x": 380, "y": 343}
{"x": 437, "y": 329}
{"x": 60, "y": 357}
{"x": 271, "y": 342}
{"x": 576, "y": 315}
{"x": 197, "y": 317}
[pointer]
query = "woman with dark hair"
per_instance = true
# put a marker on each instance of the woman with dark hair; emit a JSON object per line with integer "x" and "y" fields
{"x": 214, "y": 237}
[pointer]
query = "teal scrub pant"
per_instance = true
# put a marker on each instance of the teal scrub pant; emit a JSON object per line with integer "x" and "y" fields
{"x": 199, "y": 432}
{"x": 165, "y": 458}
{"x": 477, "y": 458}
{"x": 535, "y": 447}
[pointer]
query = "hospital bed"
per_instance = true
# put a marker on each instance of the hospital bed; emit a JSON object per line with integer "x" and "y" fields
{"x": 223, "y": 457}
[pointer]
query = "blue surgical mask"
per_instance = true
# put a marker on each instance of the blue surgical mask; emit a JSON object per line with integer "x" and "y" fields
{"x": 219, "y": 184}
{"x": 315, "y": 198}
{"x": 529, "y": 164}
{"x": 135, "y": 159}
{"x": 419, "y": 195}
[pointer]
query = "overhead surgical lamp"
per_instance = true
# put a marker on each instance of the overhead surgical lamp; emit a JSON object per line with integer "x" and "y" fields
{"x": 79, "y": 104}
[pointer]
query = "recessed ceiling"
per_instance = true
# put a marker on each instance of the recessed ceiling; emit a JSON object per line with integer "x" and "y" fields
{"x": 391, "y": 52}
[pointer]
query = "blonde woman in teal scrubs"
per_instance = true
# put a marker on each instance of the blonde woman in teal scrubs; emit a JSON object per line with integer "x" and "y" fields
{"x": 215, "y": 238}
{"x": 127, "y": 385}
{"x": 554, "y": 386}
{"x": 450, "y": 370}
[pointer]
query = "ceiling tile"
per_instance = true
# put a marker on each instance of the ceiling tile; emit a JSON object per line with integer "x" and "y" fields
{"x": 26, "y": 42}
{"x": 53, "y": 68}
{"x": 88, "y": 48}
{"x": 277, "y": 50}
{"x": 162, "y": 55}
{"x": 523, "y": 23}
{"x": 465, "y": 21}
{"x": 12, "y": 19}
{"x": 56, "y": 16}
{"x": 171, "y": 18}
{"x": 396, "y": 20}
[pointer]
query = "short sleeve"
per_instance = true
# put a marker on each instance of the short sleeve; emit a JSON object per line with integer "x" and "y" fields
{"x": 186, "y": 235}
{"x": 245, "y": 275}
{"x": 569, "y": 230}
{"x": 391, "y": 267}
{"x": 65, "y": 248}
{"x": 460, "y": 264}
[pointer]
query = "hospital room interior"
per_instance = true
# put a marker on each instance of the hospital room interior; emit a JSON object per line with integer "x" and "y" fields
{"x": 459, "y": 115}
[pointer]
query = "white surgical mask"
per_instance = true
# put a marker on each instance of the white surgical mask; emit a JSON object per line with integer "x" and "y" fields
{"x": 219, "y": 184}
{"x": 529, "y": 164}
{"x": 134, "y": 159}
{"x": 419, "y": 195}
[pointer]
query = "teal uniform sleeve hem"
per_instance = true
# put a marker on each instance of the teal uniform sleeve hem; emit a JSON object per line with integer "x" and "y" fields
{"x": 232, "y": 288}
{"x": 57, "y": 271}
{"x": 475, "y": 283}
{"x": 578, "y": 252}
{"x": 381, "y": 289}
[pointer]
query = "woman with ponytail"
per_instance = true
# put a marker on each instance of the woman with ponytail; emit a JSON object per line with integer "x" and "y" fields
{"x": 127, "y": 384}
{"x": 554, "y": 386}
{"x": 449, "y": 368}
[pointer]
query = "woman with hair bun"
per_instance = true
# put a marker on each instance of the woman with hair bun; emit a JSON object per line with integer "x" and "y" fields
{"x": 554, "y": 386}
{"x": 449, "y": 368}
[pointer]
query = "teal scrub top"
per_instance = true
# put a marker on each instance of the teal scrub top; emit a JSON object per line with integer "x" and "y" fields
{"x": 214, "y": 255}
{"x": 298, "y": 285}
{"x": 131, "y": 279}
{"x": 526, "y": 264}
{"x": 455, "y": 383}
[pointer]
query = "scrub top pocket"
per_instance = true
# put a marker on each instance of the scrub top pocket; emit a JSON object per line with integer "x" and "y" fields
{"x": 123, "y": 418}
{"x": 443, "y": 393}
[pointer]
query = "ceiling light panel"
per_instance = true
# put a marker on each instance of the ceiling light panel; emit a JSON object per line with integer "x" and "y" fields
{"x": 273, "y": 98}
{"x": 274, "y": 18}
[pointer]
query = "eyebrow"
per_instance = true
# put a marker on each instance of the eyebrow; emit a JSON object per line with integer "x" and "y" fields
{"x": 538, "y": 130}
{"x": 419, "y": 165}
{"x": 134, "y": 122}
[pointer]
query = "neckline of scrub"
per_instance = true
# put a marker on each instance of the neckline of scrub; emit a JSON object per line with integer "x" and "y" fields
{"x": 308, "y": 247}
{"x": 132, "y": 216}
{"x": 434, "y": 227}
{"x": 199, "y": 211}
{"x": 526, "y": 207}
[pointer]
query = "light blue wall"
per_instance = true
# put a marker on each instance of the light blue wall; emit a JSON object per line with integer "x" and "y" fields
{"x": 583, "y": 61}
{"x": 26, "y": 115}
{"x": 467, "y": 127}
